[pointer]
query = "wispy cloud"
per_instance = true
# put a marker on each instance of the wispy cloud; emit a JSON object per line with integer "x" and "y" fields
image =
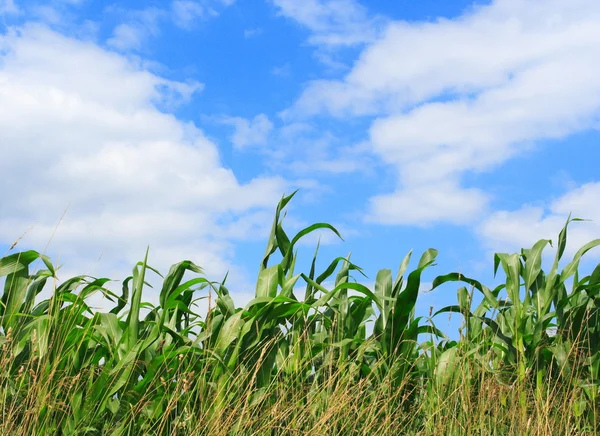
{"x": 140, "y": 25}
{"x": 332, "y": 22}
{"x": 187, "y": 12}
{"x": 8, "y": 7}
{"x": 305, "y": 150}
{"x": 284, "y": 70}
{"x": 247, "y": 133}
{"x": 251, "y": 33}
{"x": 135, "y": 31}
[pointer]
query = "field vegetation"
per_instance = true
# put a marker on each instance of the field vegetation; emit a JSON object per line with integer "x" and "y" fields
{"x": 302, "y": 357}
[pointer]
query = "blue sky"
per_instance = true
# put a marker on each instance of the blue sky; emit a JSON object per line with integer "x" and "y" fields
{"x": 470, "y": 127}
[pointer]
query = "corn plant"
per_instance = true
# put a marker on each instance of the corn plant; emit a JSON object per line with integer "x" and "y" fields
{"x": 301, "y": 356}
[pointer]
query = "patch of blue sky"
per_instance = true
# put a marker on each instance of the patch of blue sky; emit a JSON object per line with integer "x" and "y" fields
{"x": 543, "y": 171}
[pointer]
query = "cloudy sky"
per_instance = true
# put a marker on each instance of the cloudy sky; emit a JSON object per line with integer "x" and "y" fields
{"x": 468, "y": 126}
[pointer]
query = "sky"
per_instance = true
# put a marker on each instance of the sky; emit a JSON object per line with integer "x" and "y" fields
{"x": 469, "y": 127}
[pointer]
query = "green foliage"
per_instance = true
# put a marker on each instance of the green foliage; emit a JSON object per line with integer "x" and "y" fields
{"x": 284, "y": 364}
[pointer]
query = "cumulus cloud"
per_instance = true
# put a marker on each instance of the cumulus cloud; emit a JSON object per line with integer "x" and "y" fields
{"x": 254, "y": 132}
{"x": 466, "y": 94}
{"x": 427, "y": 204}
{"x": 80, "y": 127}
{"x": 511, "y": 230}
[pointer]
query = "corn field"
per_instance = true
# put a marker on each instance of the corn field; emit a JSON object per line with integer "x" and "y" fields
{"x": 303, "y": 358}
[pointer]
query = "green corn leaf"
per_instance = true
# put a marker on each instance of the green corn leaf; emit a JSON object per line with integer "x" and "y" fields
{"x": 491, "y": 297}
{"x": 268, "y": 280}
{"x": 133, "y": 318}
{"x": 533, "y": 264}
{"x": 401, "y": 270}
{"x": 229, "y": 332}
{"x": 17, "y": 262}
{"x": 272, "y": 243}
{"x": 328, "y": 295}
{"x": 384, "y": 290}
{"x": 571, "y": 268}
{"x": 174, "y": 278}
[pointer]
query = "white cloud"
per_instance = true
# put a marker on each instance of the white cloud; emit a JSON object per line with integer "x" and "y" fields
{"x": 331, "y": 22}
{"x": 249, "y": 133}
{"x": 127, "y": 36}
{"x": 48, "y": 14}
{"x": 138, "y": 26}
{"x": 427, "y": 204}
{"x": 133, "y": 33}
{"x": 80, "y": 126}
{"x": 511, "y": 230}
{"x": 284, "y": 70}
{"x": 250, "y": 33}
{"x": 186, "y": 12}
{"x": 466, "y": 94}
{"x": 341, "y": 165}
{"x": 480, "y": 51}
{"x": 8, "y": 7}
{"x": 306, "y": 150}
{"x": 323, "y": 152}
